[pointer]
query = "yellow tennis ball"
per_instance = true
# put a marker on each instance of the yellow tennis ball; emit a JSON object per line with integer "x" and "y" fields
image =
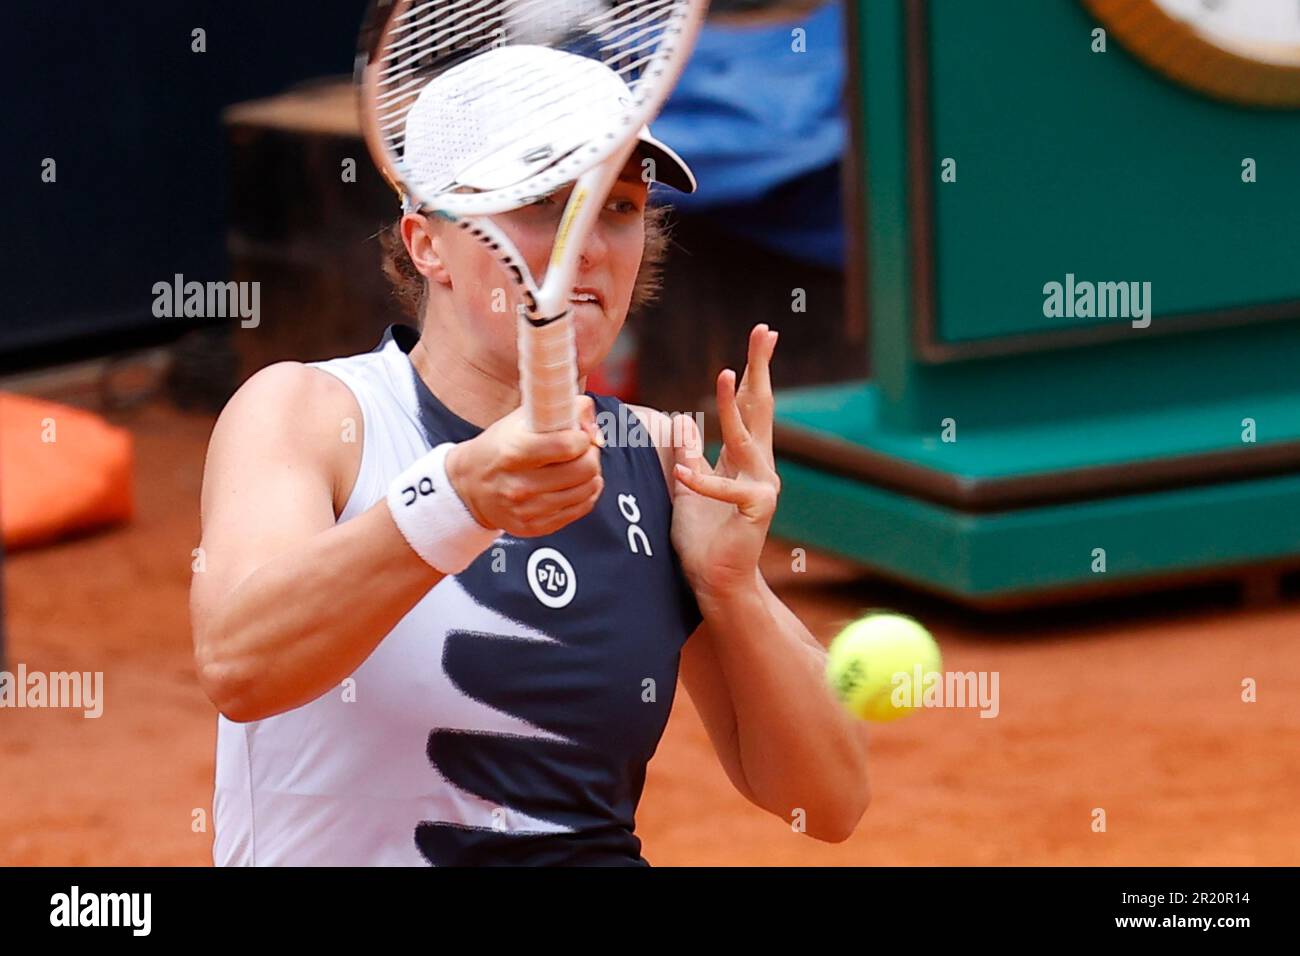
{"x": 874, "y": 664}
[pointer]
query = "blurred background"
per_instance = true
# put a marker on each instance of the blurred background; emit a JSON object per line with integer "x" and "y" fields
{"x": 195, "y": 142}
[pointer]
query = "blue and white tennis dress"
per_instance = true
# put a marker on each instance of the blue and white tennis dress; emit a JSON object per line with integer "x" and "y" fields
{"x": 508, "y": 718}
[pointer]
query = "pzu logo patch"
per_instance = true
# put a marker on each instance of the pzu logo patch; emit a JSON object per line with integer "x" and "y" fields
{"x": 551, "y": 577}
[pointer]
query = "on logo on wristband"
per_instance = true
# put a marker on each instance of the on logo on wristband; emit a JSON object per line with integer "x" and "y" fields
{"x": 438, "y": 527}
{"x": 425, "y": 487}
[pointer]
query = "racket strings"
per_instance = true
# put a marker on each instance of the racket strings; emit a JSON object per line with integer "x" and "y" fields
{"x": 443, "y": 27}
{"x": 476, "y": 25}
{"x": 415, "y": 56}
{"x": 624, "y": 24}
{"x": 431, "y": 28}
{"x": 428, "y": 39}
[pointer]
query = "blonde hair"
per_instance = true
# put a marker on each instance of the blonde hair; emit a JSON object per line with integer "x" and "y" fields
{"x": 410, "y": 289}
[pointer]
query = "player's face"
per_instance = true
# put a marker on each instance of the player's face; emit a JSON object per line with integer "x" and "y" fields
{"x": 485, "y": 299}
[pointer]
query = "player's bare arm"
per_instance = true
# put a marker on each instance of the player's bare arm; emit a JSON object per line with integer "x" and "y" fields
{"x": 268, "y": 632}
{"x": 754, "y": 671}
{"x": 268, "y": 635}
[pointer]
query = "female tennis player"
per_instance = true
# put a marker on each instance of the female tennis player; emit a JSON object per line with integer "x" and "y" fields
{"x": 476, "y": 668}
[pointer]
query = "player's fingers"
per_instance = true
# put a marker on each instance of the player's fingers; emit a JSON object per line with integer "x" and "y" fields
{"x": 741, "y": 448}
{"x": 586, "y": 415}
{"x": 562, "y": 475}
{"x": 711, "y": 486}
{"x": 539, "y": 506}
{"x": 754, "y": 395}
{"x": 688, "y": 445}
{"x": 757, "y": 380}
{"x": 529, "y": 449}
{"x": 755, "y": 499}
{"x": 551, "y": 521}
{"x": 534, "y": 449}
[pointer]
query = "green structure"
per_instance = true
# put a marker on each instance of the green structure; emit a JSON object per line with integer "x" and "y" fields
{"x": 1139, "y": 420}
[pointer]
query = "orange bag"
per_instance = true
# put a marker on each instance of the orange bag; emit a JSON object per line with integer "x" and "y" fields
{"x": 63, "y": 471}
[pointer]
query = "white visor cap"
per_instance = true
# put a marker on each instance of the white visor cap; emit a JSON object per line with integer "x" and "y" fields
{"x": 507, "y": 114}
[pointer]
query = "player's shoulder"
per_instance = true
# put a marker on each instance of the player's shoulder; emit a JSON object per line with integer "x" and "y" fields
{"x": 291, "y": 391}
{"x": 658, "y": 426}
{"x": 666, "y": 432}
{"x": 288, "y": 410}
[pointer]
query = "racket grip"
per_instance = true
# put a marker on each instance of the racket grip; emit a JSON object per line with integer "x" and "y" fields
{"x": 548, "y": 374}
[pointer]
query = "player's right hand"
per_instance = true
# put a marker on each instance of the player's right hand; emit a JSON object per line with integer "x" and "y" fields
{"x": 529, "y": 483}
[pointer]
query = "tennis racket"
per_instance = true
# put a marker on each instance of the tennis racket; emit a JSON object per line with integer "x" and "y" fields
{"x": 559, "y": 91}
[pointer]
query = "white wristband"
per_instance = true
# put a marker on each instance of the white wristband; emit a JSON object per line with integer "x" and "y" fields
{"x": 433, "y": 519}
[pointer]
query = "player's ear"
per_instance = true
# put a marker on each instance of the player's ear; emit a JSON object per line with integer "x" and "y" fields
{"x": 425, "y": 244}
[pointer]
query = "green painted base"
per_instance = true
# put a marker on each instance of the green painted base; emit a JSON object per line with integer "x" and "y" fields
{"x": 990, "y": 558}
{"x": 1002, "y": 557}
{"x": 1062, "y": 441}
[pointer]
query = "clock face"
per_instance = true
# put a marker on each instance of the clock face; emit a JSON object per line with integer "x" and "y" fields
{"x": 1264, "y": 30}
{"x": 1245, "y": 51}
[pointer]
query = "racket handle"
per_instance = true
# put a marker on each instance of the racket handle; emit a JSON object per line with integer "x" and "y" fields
{"x": 548, "y": 374}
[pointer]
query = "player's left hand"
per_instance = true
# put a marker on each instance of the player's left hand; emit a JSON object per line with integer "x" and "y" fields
{"x": 721, "y": 513}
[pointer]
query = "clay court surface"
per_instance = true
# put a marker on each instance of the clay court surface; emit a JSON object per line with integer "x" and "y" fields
{"x": 1134, "y": 708}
